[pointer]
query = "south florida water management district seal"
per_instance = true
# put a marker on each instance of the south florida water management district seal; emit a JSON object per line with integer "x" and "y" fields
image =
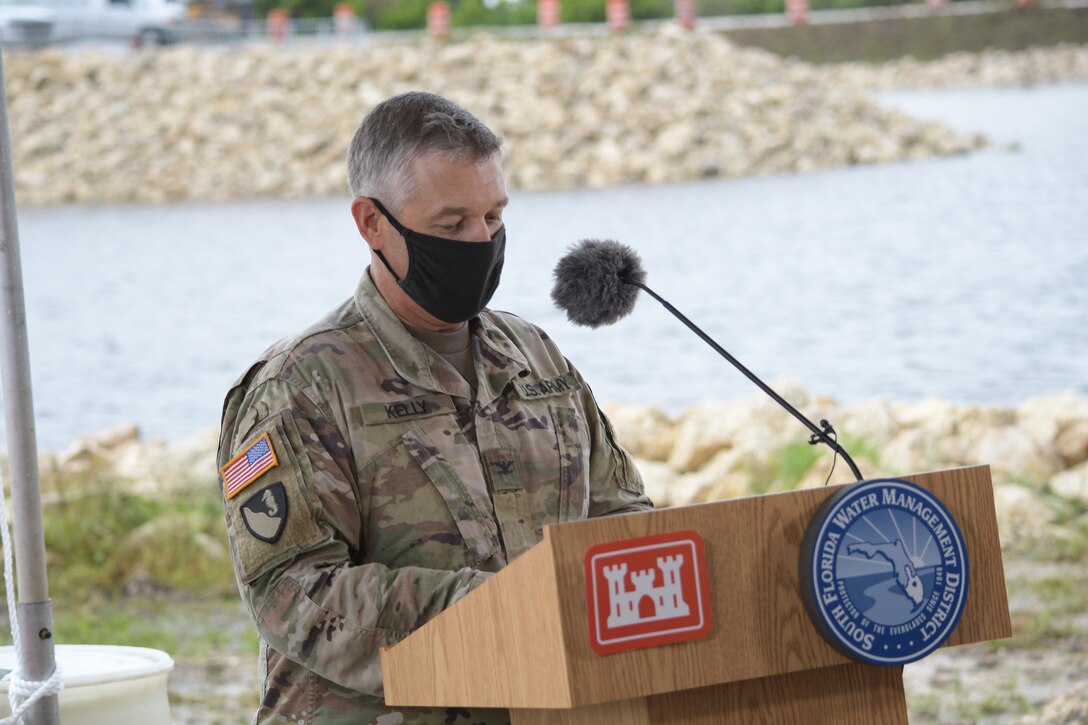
{"x": 884, "y": 572}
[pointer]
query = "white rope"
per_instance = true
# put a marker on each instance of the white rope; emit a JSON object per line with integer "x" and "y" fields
{"x": 29, "y": 691}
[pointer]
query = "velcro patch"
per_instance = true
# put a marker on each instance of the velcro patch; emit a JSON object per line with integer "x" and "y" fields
{"x": 275, "y": 521}
{"x": 246, "y": 467}
{"x": 548, "y": 387}
{"x": 502, "y": 469}
{"x": 265, "y": 512}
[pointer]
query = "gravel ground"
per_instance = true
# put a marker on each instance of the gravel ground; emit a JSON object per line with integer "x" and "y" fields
{"x": 220, "y": 687}
{"x": 1014, "y": 680}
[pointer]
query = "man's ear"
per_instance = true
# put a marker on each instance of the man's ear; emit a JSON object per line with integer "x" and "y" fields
{"x": 368, "y": 221}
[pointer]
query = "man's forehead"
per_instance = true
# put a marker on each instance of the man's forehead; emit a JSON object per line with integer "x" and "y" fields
{"x": 466, "y": 210}
{"x": 434, "y": 163}
{"x": 457, "y": 183}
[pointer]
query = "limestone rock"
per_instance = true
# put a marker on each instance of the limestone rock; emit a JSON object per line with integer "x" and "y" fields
{"x": 1046, "y": 416}
{"x": 1011, "y": 453}
{"x": 1072, "y": 442}
{"x": 211, "y": 123}
{"x": 912, "y": 451}
{"x": 934, "y": 415}
{"x": 643, "y": 430}
{"x": 1068, "y": 708}
{"x": 703, "y": 430}
{"x": 724, "y": 477}
{"x": 872, "y": 421}
{"x": 658, "y": 478}
{"x": 1072, "y": 484}
{"x": 990, "y": 68}
{"x": 1022, "y": 515}
{"x": 98, "y": 449}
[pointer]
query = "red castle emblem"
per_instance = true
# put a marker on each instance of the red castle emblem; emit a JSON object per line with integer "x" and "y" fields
{"x": 647, "y": 592}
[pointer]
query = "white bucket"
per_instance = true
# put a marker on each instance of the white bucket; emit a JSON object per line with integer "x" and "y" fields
{"x": 106, "y": 684}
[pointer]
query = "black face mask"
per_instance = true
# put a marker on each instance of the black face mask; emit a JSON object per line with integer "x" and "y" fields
{"x": 452, "y": 280}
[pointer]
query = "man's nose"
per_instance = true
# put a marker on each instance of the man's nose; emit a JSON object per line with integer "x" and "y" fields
{"x": 479, "y": 231}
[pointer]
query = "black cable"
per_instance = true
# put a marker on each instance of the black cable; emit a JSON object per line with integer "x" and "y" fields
{"x": 834, "y": 456}
{"x": 826, "y": 435}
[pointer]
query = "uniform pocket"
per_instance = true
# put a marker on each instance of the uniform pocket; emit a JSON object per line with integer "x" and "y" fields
{"x": 478, "y": 530}
{"x": 573, "y": 463}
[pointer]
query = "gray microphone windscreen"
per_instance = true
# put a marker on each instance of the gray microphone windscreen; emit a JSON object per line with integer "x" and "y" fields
{"x": 592, "y": 282}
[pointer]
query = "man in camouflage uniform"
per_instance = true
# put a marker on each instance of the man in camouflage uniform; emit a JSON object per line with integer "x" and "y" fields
{"x": 384, "y": 462}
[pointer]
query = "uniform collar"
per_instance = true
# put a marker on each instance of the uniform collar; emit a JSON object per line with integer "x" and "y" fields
{"x": 497, "y": 358}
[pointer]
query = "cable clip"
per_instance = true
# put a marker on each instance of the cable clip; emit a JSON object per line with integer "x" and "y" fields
{"x": 829, "y": 434}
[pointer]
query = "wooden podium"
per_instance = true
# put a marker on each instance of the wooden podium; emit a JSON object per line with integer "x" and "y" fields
{"x": 521, "y": 641}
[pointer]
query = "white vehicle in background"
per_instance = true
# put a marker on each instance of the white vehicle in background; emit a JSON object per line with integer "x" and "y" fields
{"x": 24, "y": 24}
{"x": 142, "y": 22}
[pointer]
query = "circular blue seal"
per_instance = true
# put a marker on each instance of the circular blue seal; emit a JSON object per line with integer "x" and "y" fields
{"x": 884, "y": 572}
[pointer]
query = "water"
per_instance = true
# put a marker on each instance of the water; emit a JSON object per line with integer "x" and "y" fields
{"x": 962, "y": 277}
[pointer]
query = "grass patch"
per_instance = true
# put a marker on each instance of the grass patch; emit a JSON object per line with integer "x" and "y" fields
{"x": 1071, "y": 521}
{"x": 1004, "y": 701}
{"x": 1072, "y": 548}
{"x": 107, "y": 541}
{"x": 783, "y": 469}
{"x": 1047, "y": 611}
{"x": 861, "y": 448}
{"x": 923, "y": 708}
{"x": 924, "y": 38}
{"x": 1040, "y": 629}
{"x": 144, "y": 570}
{"x": 1069, "y": 511}
{"x": 184, "y": 628}
{"x": 788, "y": 465}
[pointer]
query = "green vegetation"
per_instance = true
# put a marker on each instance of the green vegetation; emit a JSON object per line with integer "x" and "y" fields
{"x": 412, "y": 14}
{"x": 924, "y": 38}
{"x": 1071, "y": 519}
{"x": 184, "y": 628}
{"x": 926, "y": 708}
{"x": 1047, "y": 611}
{"x": 109, "y": 541}
{"x": 151, "y": 570}
{"x": 787, "y": 466}
{"x": 122, "y": 565}
{"x": 861, "y": 449}
{"x": 1004, "y": 700}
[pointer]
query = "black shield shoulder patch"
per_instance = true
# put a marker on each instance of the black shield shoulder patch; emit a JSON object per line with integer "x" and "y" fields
{"x": 265, "y": 513}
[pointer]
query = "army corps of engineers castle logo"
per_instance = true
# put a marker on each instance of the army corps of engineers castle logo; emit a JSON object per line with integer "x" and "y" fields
{"x": 884, "y": 572}
{"x": 646, "y": 592}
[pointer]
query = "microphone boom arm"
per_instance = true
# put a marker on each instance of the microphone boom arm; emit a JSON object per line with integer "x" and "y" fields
{"x": 825, "y": 434}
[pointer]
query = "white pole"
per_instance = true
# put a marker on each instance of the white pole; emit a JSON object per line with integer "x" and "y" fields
{"x": 37, "y": 660}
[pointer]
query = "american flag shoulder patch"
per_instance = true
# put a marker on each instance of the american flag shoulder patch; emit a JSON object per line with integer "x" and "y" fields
{"x": 247, "y": 466}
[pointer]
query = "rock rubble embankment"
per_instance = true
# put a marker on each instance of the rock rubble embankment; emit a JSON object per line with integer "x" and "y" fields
{"x": 213, "y": 123}
{"x": 1038, "y": 453}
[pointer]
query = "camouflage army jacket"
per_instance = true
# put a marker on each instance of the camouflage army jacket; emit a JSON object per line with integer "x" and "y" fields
{"x": 366, "y": 489}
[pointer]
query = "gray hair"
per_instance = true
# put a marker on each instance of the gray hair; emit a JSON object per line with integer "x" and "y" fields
{"x": 400, "y": 129}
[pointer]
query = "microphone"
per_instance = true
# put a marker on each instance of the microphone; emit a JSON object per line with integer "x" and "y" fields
{"x": 596, "y": 284}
